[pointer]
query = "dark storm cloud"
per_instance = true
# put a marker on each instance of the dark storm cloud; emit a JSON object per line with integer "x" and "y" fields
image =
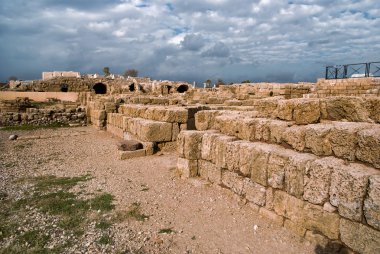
{"x": 219, "y": 49}
{"x": 193, "y": 42}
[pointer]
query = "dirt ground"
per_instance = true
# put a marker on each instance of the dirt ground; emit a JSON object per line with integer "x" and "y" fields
{"x": 180, "y": 216}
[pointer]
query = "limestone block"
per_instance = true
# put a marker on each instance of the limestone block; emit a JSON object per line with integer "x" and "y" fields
{"x": 372, "y": 202}
{"x": 190, "y": 144}
{"x": 373, "y": 106}
{"x": 368, "y": 149}
{"x": 227, "y": 124}
{"x": 233, "y": 181}
{"x": 125, "y": 123}
{"x": 344, "y": 139}
{"x": 294, "y": 173}
{"x": 318, "y": 239}
{"x": 276, "y": 219}
{"x": 359, "y": 237}
{"x": 295, "y": 227}
{"x": 259, "y": 163}
{"x": 208, "y": 145}
{"x": 317, "y": 179}
{"x": 125, "y": 155}
{"x": 149, "y": 147}
{"x": 288, "y": 206}
{"x": 247, "y": 151}
{"x": 285, "y": 110}
{"x": 348, "y": 189}
{"x": 175, "y": 131}
{"x": 306, "y": 111}
{"x": 154, "y": 131}
{"x": 317, "y": 219}
{"x": 277, "y": 129}
{"x": 205, "y": 119}
{"x": 232, "y": 155}
{"x": 278, "y": 160}
{"x": 220, "y": 150}
{"x": 246, "y": 129}
{"x": 346, "y": 108}
{"x": 254, "y": 192}
{"x": 317, "y": 138}
{"x": 269, "y": 197}
{"x": 262, "y": 131}
{"x": 295, "y": 137}
{"x": 99, "y": 114}
{"x": 187, "y": 168}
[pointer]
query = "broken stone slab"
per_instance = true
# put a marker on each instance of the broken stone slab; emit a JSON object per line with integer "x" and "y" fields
{"x": 129, "y": 145}
{"x": 125, "y": 155}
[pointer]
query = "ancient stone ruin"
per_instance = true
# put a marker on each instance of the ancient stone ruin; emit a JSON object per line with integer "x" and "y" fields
{"x": 305, "y": 155}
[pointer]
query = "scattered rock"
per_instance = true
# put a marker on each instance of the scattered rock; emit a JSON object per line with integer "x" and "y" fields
{"x": 13, "y": 137}
{"x": 129, "y": 145}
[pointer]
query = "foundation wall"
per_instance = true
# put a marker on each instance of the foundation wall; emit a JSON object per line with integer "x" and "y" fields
{"x": 39, "y": 96}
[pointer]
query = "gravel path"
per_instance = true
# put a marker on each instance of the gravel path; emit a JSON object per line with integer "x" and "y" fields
{"x": 197, "y": 217}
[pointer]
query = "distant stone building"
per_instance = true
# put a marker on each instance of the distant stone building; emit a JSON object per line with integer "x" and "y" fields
{"x": 55, "y": 74}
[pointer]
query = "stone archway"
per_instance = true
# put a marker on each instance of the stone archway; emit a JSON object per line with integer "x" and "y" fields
{"x": 64, "y": 88}
{"x": 100, "y": 88}
{"x": 132, "y": 87}
{"x": 182, "y": 88}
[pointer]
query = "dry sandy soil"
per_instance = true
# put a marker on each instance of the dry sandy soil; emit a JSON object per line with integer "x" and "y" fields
{"x": 183, "y": 216}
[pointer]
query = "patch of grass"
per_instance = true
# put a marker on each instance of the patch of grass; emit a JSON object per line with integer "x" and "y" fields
{"x": 34, "y": 238}
{"x": 103, "y": 224}
{"x": 166, "y": 231}
{"x": 28, "y": 127}
{"x": 135, "y": 212}
{"x": 105, "y": 239}
{"x": 48, "y": 182}
{"x": 102, "y": 202}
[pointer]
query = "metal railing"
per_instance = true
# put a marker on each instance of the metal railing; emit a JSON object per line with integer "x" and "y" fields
{"x": 358, "y": 70}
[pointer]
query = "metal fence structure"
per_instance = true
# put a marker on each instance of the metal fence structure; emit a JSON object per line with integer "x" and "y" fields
{"x": 358, "y": 70}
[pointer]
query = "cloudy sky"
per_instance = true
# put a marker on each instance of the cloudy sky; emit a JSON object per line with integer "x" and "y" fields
{"x": 259, "y": 40}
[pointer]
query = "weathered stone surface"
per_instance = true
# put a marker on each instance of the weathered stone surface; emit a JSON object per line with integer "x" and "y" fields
{"x": 359, "y": 237}
{"x": 317, "y": 138}
{"x": 247, "y": 151}
{"x": 262, "y": 131}
{"x": 344, "y": 139}
{"x": 233, "y": 181}
{"x": 125, "y": 155}
{"x": 129, "y": 145}
{"x": 306, "y": 111}
{"x": 259, "y": 163}
{"x": 233, "y": 150}
{"x": 189, "y": 144}
{"x": 269, "y": 197}
{"x": 227, "y": 124}
{"x": 345, "y": 108}
{"x": 276, "y": 219}
{"x": 277, "y": 129}
{"x": 187, "y": 168}
{"x": 205, "y": 119}
{"x": 247, "y": 129}
{"x": 348, "y": 189}
{"x": 175, "y": 131}
{"x": 208, "y": 141}
{"x": 372, "y": 202}
{"x": 285, "y": 109}
{"x": 254, "y": 192}
{"x": 317, "y": 179}
{"x": 288, "y": 206}
{"x": 295, "y": 170}
{"x": 317, "y": 219}
{"x": 295, "y": 137}
{"x": 209, "y": 171}
{"x": 368, "y": 149}
{"x": 154, "y": 131}
{"x": 295, "y": 227}
{"x": 220, "y": 150}
{"x": 278, "y": 160}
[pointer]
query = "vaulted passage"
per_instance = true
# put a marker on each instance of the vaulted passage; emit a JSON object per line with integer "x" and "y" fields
{"x": 182, "y": 88}
{"x": 100, "y": 88}
{"x": 132, "y": 87}
{"x": 64, "y": 88}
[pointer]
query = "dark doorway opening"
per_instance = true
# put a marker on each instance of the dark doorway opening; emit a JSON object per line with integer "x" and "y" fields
{"x": 169, "y": 88}
{"x": 100, "y": 88}
{"x": 132, "y": 87}
{"x": 64, "y": 88}
{"x": 182, "y": 88}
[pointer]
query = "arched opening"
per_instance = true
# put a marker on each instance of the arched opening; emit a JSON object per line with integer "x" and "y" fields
{"x": 182, "y": 88}
{"x": 64, "y": 88}
{"x": 100, "y": 88}
{"x": 132, "y": 87}
{"x": 169, "y": 88}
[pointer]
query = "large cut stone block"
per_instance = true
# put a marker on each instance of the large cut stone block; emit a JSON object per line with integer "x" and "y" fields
{"x": 285, "y": 109}
{"x": 154, "y": 131}
{"x": 345, "y": 108}
{"x": 294, "y": 173}
{"x": 233, "y": 181}
{"x": 306, "y": 111}
{"x": 254, "y": 192}
{"x": 368, "y": 149}
{"x": 348, "y": 189}
{"x": 288, "y": 206}
{"x": 344, "y": 139}
{"x": 247, "y": 151}
{"x": 227, "y": 124}
{"x": 208, "y": 144}
{"x": 233, "y": 150}
{"x": 247, "y": 129}
{"x": 372, "y": 202}
{"x": 359, "y": 237}
{"x": 205, "y": 119}
{"x": 262, "y": 130}
{"x": 295, "y": 137}
{"x": 189, "y": 144}
{"x": 187, "y": 168}
{"x": 277, "y": 129}
{"x": 220, "y": 151}
{"x": 317, "y": 179}
{"x": 209, "y": 171}
{"x": 317, "y": 138}
{"x": 278, "y": 160}
{"x": 259, "y": 163}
